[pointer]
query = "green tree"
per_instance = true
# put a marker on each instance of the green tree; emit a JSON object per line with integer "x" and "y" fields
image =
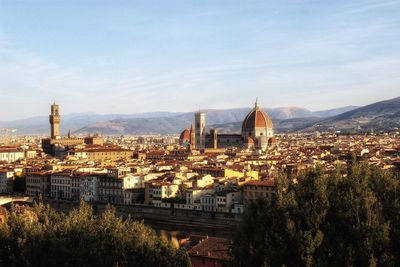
{"x": 44, "y": 237}
{"x": 349, "y": 217}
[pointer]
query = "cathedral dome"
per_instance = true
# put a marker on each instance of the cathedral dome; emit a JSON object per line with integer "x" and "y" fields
{"x": 184, "y": 137}
{"x": 256, "y": 119}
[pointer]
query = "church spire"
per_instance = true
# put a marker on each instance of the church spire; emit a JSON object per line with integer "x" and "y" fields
{"x": 256, "y": 105}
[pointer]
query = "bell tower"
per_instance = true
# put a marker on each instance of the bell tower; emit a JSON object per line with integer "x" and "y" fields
{"x": 192, "y": 137}
{"x": 199, "y": 126}
{"x": 55, "y": 121}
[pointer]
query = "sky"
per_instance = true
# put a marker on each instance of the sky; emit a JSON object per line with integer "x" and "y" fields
{"x": 141, "y": 56}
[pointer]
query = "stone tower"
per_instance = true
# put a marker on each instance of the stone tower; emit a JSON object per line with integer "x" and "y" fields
{"x": 200, "y": 129}
{"x": 214, "y": 137}
{"x": 192, "y": 137}
{"x": 55, "y": 121}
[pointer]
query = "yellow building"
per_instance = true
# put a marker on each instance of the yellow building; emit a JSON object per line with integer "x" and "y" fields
{"x": 102, "y": 153}
{"x": 256, "y": 189}
{"x": 156, "y": 191}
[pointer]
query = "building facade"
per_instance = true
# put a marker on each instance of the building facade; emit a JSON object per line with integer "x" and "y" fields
{"x": 38, "y": 183}
{"x": 254, "y": 190}
{"x": 89, "y": 187}
{"x": 5, "y": 177}
{"x": 61, "y": 185}
{"x": 11, "y": 154}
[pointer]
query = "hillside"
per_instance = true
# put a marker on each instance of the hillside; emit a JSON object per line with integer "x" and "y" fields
{"x": 228, "y": 120}
{"x": 383, "y": 115}
{"x": 333, "y": 112}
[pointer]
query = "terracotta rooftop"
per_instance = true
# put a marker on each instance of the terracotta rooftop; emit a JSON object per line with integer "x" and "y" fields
{"x": 213, "y": 248}
{"x": 255, "y": 119}
{"x": 185, "y": 135}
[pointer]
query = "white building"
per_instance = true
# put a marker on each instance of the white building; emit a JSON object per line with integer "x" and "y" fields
{"x": 133, "y": 181}
{"x": 89, "y": 187}
{"x": 204, "y": 181}
{"x": 158, "y": 190}
{"x": 226, "y": 200}
{"x": 223, "y": 201}
{"x": 193, "y": 195}
{"x": 164, "y": 190}
{"x": 61, "y": 185}
{"x": 208, "y": 202}
{"x": 5, "y": 178}
{"x": 11, "y": 154}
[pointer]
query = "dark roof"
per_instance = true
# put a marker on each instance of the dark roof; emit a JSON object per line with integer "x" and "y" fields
{"x": 213, "y": 248}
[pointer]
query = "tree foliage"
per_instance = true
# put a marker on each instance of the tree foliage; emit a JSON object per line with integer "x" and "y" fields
{"x": 347, "y": 218}
{"x": 45, "y": 237}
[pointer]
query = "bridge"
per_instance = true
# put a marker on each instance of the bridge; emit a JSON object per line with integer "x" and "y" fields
{"x": 4, "y": 200}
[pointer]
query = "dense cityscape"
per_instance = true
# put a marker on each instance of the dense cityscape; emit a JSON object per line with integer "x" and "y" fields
{"x": 198, "y": 133}
{"x": 196, "y": 182}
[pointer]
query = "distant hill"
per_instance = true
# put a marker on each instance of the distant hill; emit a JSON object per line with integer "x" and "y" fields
{"x": 161, "y": 125}
{"x": 333, "y": 112}
{"x": 280, "y": 126}
{"x": 162, "y": 122}
{"x": 40, "y": 125}
{"x": 228, "y": 120}
{"x": 383, "y": 115}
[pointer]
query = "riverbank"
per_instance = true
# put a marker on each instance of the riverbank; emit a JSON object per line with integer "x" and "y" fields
{"x": 168, "y": 219}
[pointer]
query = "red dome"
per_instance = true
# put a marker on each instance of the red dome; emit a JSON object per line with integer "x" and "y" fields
{"x": 250, "y": 141}
{"x": 184, "y": 137}
{"x": 256, "y": 119}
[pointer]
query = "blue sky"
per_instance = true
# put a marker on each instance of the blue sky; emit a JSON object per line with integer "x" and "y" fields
{"x": 138, "y": 56}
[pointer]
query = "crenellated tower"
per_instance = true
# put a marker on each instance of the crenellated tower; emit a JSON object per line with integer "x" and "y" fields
{"x": 55, "y": 121}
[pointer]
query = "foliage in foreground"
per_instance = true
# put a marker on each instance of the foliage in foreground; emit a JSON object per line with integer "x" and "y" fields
{"x": 50, "y": 238}
{"x": 348, "y": 218}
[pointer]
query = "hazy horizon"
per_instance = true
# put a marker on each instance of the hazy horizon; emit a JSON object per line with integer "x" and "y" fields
{"x": 161, "y": 111}
{"x": 125, "y": 57}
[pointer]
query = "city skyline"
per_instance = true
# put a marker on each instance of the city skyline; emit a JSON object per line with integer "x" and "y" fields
{"x": 199, "y": 133}
{"x": 151, "y": 56}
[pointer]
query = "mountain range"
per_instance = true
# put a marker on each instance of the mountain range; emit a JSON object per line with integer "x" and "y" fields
{"x": 379, "y": 116}
{"x": 151, "y": 122}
